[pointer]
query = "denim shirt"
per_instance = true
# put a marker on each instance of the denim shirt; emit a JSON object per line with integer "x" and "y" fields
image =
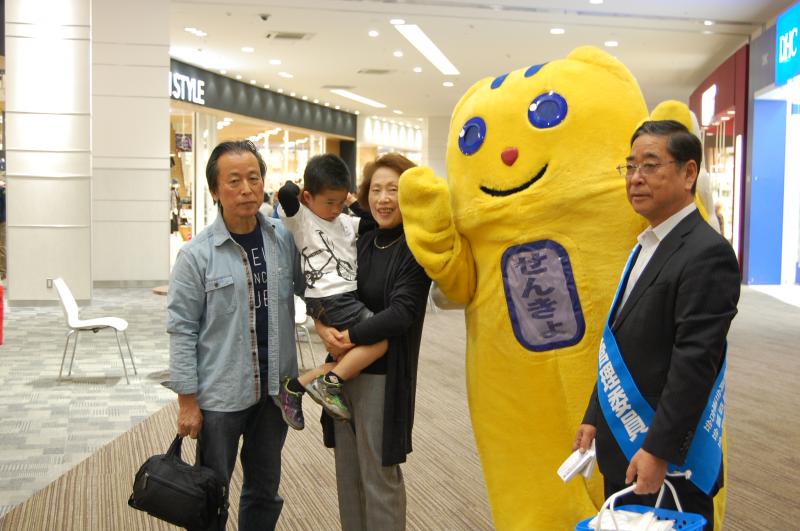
{"x": 213, "y": 349}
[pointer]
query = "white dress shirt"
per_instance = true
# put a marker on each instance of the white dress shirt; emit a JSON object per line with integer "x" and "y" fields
{"x": 649, "y": 240}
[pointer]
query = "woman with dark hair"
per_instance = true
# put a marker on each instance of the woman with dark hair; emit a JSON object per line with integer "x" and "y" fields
{"x": 370, "y": 448}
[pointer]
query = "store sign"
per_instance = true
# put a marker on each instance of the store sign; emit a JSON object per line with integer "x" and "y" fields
{"x": 187, "y": 88}
{"x": 787, "y": 45}
{"x": 707, "y": 104}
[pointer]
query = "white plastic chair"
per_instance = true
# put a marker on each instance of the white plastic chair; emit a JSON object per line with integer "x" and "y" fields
{"x": 77, "y": 325}
{"x": 300, "y": 325}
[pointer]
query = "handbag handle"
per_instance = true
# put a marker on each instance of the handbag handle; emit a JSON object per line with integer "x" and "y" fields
{"x": 175, "y": 448}
{"x": 609, "y": 503}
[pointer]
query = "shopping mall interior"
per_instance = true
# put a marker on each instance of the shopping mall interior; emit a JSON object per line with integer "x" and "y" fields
{"x": 109, "y": 111}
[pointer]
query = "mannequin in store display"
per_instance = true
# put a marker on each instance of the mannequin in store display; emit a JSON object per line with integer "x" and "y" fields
{"x": 175, "y": 206}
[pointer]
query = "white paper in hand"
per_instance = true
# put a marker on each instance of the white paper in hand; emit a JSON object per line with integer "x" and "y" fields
{"x": 578, "y": 463}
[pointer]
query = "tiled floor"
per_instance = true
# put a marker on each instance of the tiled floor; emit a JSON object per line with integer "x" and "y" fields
{"x": 47, "y": 425}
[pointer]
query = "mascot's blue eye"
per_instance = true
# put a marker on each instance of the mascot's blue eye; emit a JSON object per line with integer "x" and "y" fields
{"x": 547, "y": 110}
{"x": 472, "y": 136}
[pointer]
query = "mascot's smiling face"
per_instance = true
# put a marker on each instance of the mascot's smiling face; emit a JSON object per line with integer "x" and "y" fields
{"x": 538, "y": 140}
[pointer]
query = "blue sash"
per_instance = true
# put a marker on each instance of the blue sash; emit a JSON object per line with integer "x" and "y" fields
{"x": 629, "y": 415}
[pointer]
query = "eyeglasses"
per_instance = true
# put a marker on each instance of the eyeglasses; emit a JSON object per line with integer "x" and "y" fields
{"x": 646, "y": 169}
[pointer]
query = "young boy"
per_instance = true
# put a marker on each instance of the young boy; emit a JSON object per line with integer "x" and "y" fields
{"x": 327, "y": 244}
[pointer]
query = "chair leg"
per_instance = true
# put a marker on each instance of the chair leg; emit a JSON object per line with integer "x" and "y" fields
{"x": 299, "y": 346}
{"x": 310, "y": 345}
{"x": 64, "y": 356}
{"x": 119, "y": 346}
{"x": 130, "y": 354}
{"x": 74, "y": 346}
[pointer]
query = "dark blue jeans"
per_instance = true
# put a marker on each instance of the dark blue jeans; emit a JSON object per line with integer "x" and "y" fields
{"x": 264, "y": 433}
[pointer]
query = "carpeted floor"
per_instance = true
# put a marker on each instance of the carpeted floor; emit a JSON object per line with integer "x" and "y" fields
{"x": 445, "y": 487}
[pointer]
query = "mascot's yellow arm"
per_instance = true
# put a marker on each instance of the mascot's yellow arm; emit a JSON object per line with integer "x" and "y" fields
{"x": 442, "y": 251}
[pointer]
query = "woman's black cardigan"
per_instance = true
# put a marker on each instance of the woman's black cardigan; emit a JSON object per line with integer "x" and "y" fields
{"x": 406, "y": 280}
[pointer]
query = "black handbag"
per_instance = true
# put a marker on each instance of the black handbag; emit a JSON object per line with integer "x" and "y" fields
{"x": 190, "y": 496}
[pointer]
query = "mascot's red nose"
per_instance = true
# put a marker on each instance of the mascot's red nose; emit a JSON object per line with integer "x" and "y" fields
{"x": 509, "y": 156}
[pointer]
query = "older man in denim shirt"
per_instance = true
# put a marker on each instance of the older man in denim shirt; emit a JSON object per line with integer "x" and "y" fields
{"x": 231, "y": 324}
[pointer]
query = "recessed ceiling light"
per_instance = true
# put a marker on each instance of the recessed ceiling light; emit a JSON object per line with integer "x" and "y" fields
{"x": 305, "y": 98}
{"x": 428, "y": 48}
{"x": 398, "y": 53}
{"x": 316, "y": 100}
{"x": 266, "y": 86}
{"x": 557, "y": 31}
{"x": 227, "y": 119}
{"x": 596, "y": 2}
{"x": 708, "y": 23}
{"x": 287, "y": 75}
{"x": 223, "y": 72}
{"x": 275, "y": 62}
{"x": 397, "y": 21}
{"x": 292, "y": 94}
{"x": 238, "y": 76}
{"x": 373, "y": 33}
{"x": 280, "y": 91}
{"x": 359, "y": 98}
{"x": 337, "y": 107}
{"x": 707, "y": 32}
{"x": 397, "y": 111}
{"x": 417, "y": 69}
{"x": 248, "y": 49}
{"x": 611, "y": 44}
{"x": 252, "y": 81}
{"x": 194, "y": 31}
{"x": 327, "y": 104}
{"x": 447, "y": 84}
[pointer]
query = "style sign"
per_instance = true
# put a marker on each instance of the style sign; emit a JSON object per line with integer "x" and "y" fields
{"x": 787, "y": 42}
{"x": 186, "y": 88}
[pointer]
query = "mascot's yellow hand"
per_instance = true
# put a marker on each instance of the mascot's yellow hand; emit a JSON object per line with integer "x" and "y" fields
{"x": 432, "y": 235}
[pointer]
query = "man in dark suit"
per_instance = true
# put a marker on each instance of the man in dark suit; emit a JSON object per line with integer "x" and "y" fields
{"x": 671, "y": 315}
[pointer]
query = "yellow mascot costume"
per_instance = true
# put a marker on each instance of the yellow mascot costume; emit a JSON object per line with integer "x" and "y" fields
{"x": 532, "y": 236}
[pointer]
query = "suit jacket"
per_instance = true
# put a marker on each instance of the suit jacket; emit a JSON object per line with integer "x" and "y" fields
{"x": 671, "y": 333}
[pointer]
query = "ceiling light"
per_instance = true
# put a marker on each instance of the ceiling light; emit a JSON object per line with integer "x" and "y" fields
{"x": 417, "y": 69}
{"x": 359, "y": 98}
{"x": 287, "y": 75}
{"x": 275, "y": 62}
{"x": 194, "y": 31}
{"x": 356, "y": 112}
{"x": 708, "y": 23}
{"x": 223, "y": 72}
{"x": 725, "y": 118}
{"x": 397, "y": 21}
{"x": 280, "y": 91}
{"x": 266, "y": 86}
{"x": 447, "y": 84}
{"x": 252, "y": 81}
{"x": 373, "y": 33}
{"x": 227, "y": 119}
{"x": 248, "y": 49}
{"x": 337, "y": 107}
{"x": 398, "y": 53}
{"x": 327, "y": 104}
{"x": 732, "y": 111}
{"x": 238, "y": 76}
{"x": 596, "y": 2}
{"x": 426, "y": 47}
{"x": 611, "y": 44}
{"x": 557, "y": 31}
{"x": 707, "y": 32}
{"x": 305, "y": 98}
{"x": 397, "y": 111}
{"x": 316, "y": 100}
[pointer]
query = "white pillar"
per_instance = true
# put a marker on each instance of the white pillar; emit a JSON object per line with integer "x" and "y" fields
{"x": 48, "y": 147}
{"x": 438, "y": 129}
{"x": 130, "y": 147}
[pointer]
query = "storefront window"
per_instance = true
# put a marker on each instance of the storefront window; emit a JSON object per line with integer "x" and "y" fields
{"x": 720, "y": 162}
